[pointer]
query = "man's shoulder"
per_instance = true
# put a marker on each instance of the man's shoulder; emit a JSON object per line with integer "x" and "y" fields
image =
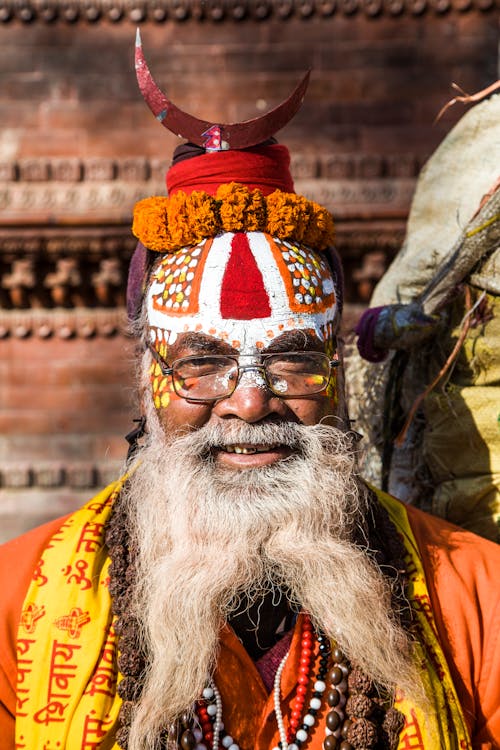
{"x": 431, "y": 531}
{"x": 19, "y": 558}
{"x": 434, "y": 533}
{"x": 18, "y": 561}
{"x": 29, "y": 545}
{"x": 452, "y": 557}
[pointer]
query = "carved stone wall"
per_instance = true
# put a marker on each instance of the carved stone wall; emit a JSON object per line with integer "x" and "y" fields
{"x": 78, "y": 147}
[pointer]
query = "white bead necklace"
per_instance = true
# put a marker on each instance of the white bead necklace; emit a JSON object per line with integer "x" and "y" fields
{"x": 277, "y": 704}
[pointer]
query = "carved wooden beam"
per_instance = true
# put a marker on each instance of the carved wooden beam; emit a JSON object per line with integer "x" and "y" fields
{"x": 217, "y": 11}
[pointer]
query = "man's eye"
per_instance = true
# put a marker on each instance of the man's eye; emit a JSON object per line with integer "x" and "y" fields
{"x": 297, "y": 363}
{"x": 199, "y": 366}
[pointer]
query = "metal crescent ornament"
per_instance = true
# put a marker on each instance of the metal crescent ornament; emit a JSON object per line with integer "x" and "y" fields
{"x": 214, "y": 136}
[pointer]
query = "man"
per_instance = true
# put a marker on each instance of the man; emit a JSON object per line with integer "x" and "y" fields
{"x": 241, "y": 587}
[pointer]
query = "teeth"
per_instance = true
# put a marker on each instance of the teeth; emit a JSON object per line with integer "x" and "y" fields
{"x": 248, "y": 449}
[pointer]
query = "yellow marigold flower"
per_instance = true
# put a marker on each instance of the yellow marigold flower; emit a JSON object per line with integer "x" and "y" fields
{"x": 150, "y": 224}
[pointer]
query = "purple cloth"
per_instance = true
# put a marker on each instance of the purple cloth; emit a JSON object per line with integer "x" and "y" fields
{"x": 269, "y": 663}
{"x": 135, "y": 282}
{"x": 366, "y": 333}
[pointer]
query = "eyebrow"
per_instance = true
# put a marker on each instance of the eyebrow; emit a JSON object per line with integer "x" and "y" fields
{"x": 301, "y": 341}
{"x": 199, "y": 343}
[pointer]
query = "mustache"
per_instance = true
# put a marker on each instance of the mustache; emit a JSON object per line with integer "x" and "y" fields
{"x": 304, "y": 441}
{"x": 218, "y": 436}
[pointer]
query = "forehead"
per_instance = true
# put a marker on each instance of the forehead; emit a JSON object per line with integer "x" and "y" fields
{"x": 245, "y": 289}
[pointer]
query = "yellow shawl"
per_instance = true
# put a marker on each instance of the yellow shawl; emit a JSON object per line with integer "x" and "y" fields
{"x": 67, "y": 672}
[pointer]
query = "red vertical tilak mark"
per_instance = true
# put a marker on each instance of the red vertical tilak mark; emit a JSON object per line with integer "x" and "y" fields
{"x": 243, "y": 295}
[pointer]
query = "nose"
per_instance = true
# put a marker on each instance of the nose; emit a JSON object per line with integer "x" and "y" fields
{"x": 251, "y": 400}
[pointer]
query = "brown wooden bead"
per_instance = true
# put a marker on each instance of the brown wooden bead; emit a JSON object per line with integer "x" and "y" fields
{"x": 126, "y": 711}
{"x": 330, "y": 742}
{"x": 338, "y": 655}
{"x": 333, "y": 697}
{"x": 188, "y": 741}
{"x": 359, "y": 682}
{"x": 359, "y": 705}
{"x": 335, "y": 675}
{"x": 186, "y": 719}
{"x": 332, "y": 720}
{"x": 363, "y": 733}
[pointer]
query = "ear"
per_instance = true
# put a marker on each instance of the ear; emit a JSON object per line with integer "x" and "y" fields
{"x": 134, "y": 436}
{"x": 144, "y": 385}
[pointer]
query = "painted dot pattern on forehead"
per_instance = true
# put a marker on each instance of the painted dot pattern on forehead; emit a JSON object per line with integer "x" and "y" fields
{"x": 310, "y": 284}
{"x": 198, "y": 289}
{"x": 180, "y": 275}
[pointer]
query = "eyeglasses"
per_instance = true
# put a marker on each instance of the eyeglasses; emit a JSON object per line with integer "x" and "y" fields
{"x": 211, "y": 377}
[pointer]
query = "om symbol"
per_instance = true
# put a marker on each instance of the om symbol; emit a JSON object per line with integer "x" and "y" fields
{"x": 78, "y": 576}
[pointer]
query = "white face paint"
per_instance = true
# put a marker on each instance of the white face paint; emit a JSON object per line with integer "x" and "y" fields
{"x": 253, "y": 378}
{"x": 245, "y": 289}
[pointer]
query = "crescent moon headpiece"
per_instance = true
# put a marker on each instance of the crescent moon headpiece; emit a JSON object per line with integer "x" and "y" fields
{"x": 214, "y": 136}
{"x": 231, "y": 196}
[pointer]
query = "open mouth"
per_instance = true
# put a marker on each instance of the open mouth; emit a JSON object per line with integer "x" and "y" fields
{"x": 246, "y": 449}
{"x": 250, "y": 455}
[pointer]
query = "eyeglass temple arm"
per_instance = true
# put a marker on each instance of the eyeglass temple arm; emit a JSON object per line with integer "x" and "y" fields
{"x": 166, "y": 370}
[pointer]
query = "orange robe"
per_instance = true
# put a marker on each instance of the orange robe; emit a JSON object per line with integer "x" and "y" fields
{"x": 461, "y": 570}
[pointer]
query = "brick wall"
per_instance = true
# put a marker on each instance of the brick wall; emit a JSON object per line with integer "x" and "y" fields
{"x": 64, "y": 408}
{"x": 377, "y": 84}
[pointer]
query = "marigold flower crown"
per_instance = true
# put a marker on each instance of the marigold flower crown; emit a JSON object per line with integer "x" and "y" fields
{"x": 165, "y": 224}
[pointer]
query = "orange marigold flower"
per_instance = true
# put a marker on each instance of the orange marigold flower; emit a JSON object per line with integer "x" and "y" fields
{"x": 233, "y": 199}
{"x": 241, "y": 209}
{"x": 179, "y": 221}
{"x": 320, "y": 230}
{"x": 256, "y": 212}
{"x": 204, "y": 220}
{"x": 286, "y": 215}
{"x": 168, "y": 224}
{"x": 150, "y": 224}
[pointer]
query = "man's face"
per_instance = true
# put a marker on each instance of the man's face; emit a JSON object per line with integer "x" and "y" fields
{"x": 242, "y": 295}
{"x": 251, "y": 402}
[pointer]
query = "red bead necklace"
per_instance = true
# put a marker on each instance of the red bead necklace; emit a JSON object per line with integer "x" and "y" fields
{"x": 306, "y": 657}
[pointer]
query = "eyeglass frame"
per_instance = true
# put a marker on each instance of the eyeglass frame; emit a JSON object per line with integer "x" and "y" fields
{"x": 167, "y": 370}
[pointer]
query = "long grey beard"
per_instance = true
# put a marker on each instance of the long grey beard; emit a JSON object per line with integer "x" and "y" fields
{"x": 208, "y": 536}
